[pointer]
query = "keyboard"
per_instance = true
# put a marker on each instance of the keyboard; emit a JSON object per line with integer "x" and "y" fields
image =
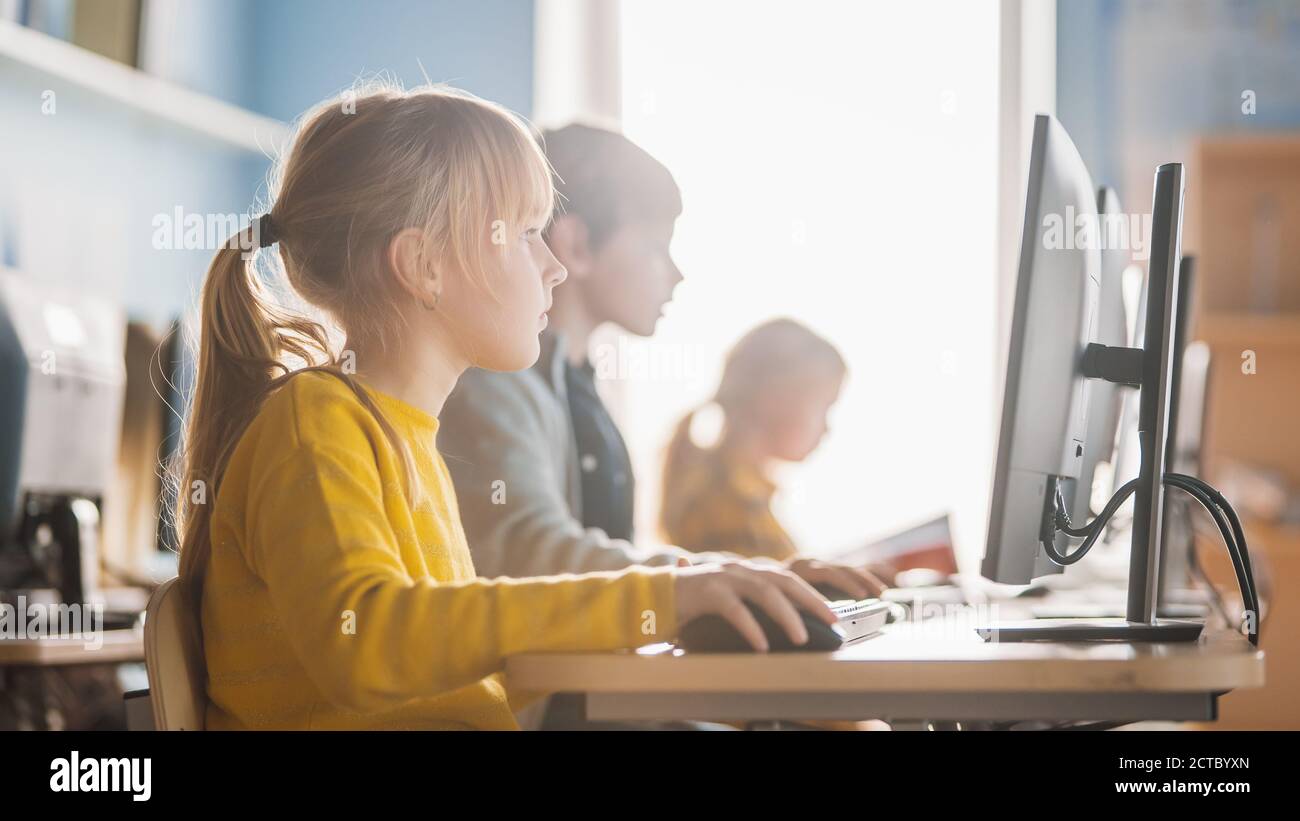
{"x": 860, "y": 618}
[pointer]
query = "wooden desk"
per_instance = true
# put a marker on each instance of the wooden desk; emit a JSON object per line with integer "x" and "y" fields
{"x": 922, "y": 671}
{"x": 118, "y": 646}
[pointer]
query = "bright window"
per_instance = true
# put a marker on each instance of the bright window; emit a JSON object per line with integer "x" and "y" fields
{"x": 838, "y": 165}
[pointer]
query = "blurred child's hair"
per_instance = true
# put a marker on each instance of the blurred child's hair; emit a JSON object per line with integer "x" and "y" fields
{"x": 764, "y": 359}
{"x": 362, "y": 167}
{"x": 606, "y": 180}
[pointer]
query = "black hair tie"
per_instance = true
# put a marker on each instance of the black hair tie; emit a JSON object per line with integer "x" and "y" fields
{"x": 266, "y": 231}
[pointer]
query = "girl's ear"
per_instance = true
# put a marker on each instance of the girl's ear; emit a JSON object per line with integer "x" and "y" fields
{"x": 414, "y": 271}
{"x": 568, "y": 240}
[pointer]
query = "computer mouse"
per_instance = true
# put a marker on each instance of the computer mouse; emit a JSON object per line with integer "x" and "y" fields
{"x": 714, "y": 634}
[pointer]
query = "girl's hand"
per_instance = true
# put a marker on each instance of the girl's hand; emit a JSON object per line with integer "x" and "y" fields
{"x": 723, "y": 589}
{"x": 854, "y": 582}
{"x": 883, "y": 571}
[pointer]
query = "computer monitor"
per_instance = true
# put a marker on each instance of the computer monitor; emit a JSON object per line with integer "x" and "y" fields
{"x": 1053, "y": 356}
{"x": 1045, "y": 400}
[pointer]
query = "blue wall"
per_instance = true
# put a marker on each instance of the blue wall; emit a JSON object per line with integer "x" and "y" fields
{"x": 280, "y": 57}
{"x": 79, "y": 190}
{"x": 1137, "y": 80}
{"x": 304, "y": 50}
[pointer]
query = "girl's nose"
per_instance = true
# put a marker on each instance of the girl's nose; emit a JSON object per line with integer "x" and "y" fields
{"x": 558, "y": 274}
{"x": 555, "y": 272}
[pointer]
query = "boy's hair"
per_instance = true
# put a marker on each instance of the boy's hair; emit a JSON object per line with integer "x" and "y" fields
{"x": 362, "y": 167}
{"x": 606, "y": 180}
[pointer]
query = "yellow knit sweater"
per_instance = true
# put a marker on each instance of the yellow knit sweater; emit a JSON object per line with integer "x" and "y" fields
{"x": 330, "y": 601}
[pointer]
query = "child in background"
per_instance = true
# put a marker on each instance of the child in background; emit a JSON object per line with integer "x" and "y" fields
{"x": 320, "y": 539}
{"x": 778, "y": 384}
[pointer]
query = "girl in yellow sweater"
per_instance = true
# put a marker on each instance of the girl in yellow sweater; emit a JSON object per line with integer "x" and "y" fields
{"x": 778, "y": 385}
{"x": 321, "y": 543}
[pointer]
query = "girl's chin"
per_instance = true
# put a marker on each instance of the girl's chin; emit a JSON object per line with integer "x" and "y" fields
{"x": 521, "y": 357}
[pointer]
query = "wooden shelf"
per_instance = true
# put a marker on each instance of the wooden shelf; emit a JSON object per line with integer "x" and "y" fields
{"x": 25, "y": 50}
{"x": 1250, "y": 329}
{"x": 1262, "y": 146}
{"x": 1277, "y": 538}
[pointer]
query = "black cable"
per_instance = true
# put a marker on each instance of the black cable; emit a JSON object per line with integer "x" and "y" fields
{"x": 1091, "y": 532}
{"x": 1237, "y": 531}
{"x": 1245, "y": 549}
{"x": 1247, "y": 589}
{"x": 1241, "y": 564}
{"x": 1225, "y": 518}
{"x": 1250, "y": 601}
{"x": 1064, "y": 524}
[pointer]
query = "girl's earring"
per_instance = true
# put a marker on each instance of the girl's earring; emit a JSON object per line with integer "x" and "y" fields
{"x": 436, "y": 297}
